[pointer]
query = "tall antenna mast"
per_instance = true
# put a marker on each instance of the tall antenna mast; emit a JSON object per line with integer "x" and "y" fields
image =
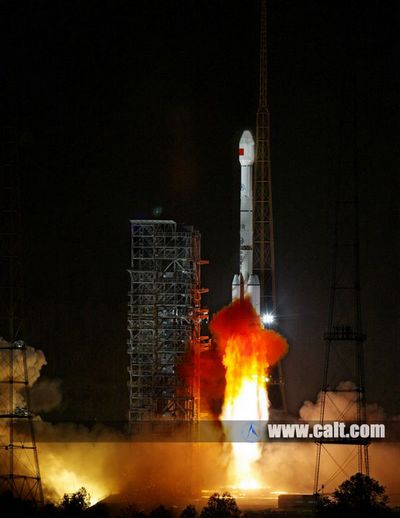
{"x": 344, "y": 339}
{"x": 19, "y": 464}
{"x": 264, "y": 251}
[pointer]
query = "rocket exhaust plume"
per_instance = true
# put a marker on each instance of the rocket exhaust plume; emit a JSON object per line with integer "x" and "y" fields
{"x": 248, "y": 350}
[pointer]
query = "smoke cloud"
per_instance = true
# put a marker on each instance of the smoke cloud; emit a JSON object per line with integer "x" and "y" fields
{"x": 340, "y": 403}
{"x": 290, "y": 466}
{"x": 46, "y": 395}
{"x": 72, "y": 456}
{"x": 35, "y": 360}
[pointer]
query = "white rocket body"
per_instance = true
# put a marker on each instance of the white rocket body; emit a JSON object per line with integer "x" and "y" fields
{"x": 246, "y": 283}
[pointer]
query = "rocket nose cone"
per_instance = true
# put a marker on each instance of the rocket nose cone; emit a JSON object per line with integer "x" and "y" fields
{"x": 246, "y": 139}
{"x": 246, "y": 148}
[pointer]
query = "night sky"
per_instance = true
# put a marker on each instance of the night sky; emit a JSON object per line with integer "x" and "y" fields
{"x": 126, "y": 106}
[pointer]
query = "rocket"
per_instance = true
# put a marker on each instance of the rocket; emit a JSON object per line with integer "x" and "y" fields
{"x": 245, "y": 282}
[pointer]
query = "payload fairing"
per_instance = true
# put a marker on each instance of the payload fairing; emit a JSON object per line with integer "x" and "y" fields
{"x": 245, "y": 282}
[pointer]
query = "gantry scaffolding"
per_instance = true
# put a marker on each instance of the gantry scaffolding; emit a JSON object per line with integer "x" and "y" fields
{"x": 164, "y": 321}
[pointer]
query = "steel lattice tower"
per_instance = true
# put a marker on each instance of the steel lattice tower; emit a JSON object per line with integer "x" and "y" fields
{"x": 164, "y": 320}
{"x": 19, "y": 467}
{"x": 344, "y": 339}
{"x": 264, "y": 253}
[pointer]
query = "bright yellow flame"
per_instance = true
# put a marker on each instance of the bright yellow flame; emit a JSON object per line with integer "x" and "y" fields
{"x": 63, "y": 480}
{"x": 245, "y": 399}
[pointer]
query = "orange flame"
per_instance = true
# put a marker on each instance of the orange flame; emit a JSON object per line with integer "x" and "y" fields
{"x": 248, "y": 351}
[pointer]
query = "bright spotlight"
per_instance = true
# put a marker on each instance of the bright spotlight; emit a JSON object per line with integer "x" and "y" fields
{"x": 268, "y": 319}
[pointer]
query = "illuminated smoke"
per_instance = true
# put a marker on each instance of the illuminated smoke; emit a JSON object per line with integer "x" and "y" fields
{"x": 46, "y": 395}
{"x": 290, "y": 465}
{"x": 35, "y": 360}
{"x": 342, "y": 402}
{"x": 72, "y": 456}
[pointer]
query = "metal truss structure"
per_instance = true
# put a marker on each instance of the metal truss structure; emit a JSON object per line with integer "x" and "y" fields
{"x": 19, "y": 465}
{"x": 344, "y": 339}
{"x": 164, "y": 321}
{"x": 264, "y": 251}
{"x": 19, "y": 462}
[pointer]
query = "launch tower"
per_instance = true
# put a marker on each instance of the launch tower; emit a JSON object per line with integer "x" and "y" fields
{"x": 164, "y": 321}
{"x": 263, "y": 243}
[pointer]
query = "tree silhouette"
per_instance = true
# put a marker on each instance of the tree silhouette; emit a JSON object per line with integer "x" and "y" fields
{"x": 360, "y": 495}
{"x": 76, "y": 503}
{"x": 221, "y": 506}
{"x": 189, "y": 512}
{"x": 161, "y": 512}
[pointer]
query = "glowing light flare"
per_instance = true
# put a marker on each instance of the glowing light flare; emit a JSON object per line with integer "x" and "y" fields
{"x": 268, "y": 319}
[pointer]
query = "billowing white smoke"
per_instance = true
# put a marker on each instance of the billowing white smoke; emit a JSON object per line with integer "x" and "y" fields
{"x": 35, "y": 360}
{"x": 45, "y": 394}
{"x": 73, "y": 456}
{"x": 290, "y": 466}
{"x": 339, "y": 403}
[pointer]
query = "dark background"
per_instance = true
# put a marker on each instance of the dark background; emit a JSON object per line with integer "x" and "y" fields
{"x": 123, "y": 107}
